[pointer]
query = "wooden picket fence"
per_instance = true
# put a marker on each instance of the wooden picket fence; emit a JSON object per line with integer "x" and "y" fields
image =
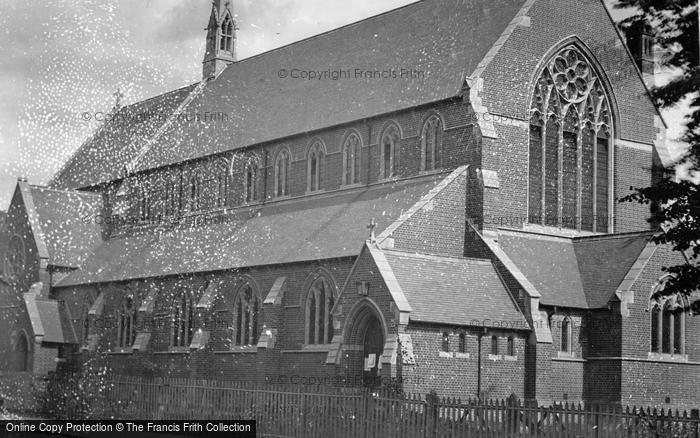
{"x": 296, "y": 411}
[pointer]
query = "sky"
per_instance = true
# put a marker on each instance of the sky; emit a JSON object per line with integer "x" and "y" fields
{"x": 68, "y": 57}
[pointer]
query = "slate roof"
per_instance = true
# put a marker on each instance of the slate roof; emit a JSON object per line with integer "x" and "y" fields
{"x": 55, "y": 321}
{"x": 68, "y": 226}
{"x": 443, "y": 39}
{"x": 308, "y": 228}
{"x": 579, "y": 272}
{"x": 459, "y": 291}
{"x": 117, "y": 142}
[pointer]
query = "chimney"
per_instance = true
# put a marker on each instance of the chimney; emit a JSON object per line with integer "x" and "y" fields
{"x": 221, "y": 39}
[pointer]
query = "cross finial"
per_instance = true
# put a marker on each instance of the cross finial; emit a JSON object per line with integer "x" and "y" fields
{"x": 118, "y": 95}
{"x": 371, "y": 226}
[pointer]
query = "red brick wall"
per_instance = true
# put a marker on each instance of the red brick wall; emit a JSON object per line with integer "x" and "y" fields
{"x": 456, "y": 375}
{"x": 438, "y": 228}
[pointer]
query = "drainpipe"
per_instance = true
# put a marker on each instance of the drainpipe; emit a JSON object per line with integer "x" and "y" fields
{"x": 478, "y": 368}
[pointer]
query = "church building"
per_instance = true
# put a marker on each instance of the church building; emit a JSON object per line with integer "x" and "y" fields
{"x": 426, "y": 199}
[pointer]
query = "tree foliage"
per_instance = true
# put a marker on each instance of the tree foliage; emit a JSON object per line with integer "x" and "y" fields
{"x": 674, "y": 26}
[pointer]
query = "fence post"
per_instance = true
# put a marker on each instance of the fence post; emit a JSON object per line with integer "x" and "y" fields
{"x": 432, "y": 401}
{"x": 695, "y": 417}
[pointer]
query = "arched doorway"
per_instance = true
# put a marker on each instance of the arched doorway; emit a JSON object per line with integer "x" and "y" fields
{"x": 372, "y": 349}
{"x": 21, "y": 354}
{"x": 365, "y": 333}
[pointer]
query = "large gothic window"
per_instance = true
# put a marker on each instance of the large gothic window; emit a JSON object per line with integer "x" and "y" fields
{"x": 388, "y": 148}
{"x": 431, "y": 139}
{"x": 282, "y": 164}
{"x": 351, "y": 159}
{"x": 182, "y": 319}
{"x": 227, "y": 34}
{"x": 570, "y": 141}
{"x": 246, "y": 312}
{"x": 319, "y": 320}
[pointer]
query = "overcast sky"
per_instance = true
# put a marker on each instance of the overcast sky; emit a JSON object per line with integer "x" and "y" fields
{"x": 67, "y": 57}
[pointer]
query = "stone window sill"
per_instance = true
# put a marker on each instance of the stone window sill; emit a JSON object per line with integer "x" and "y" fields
{"x": 566, "y": 355}
{"x": 175, "y": 350}
{"x": 510, "y": 358}
{"x": 239, "y": 350}
{"x": 495, "y": 357}
{"x": 445, "y": 354}
{"x": 462, "y": 355}
{"x": 431, "y": 171}
{"x": 323, "y": 348}
{"x": 667, "y": 357}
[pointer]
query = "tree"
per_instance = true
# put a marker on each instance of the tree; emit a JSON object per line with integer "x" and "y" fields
{"x": 674, "y": 26}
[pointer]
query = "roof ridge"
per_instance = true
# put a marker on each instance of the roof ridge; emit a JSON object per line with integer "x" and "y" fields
{"x": 613, "y": 235}
{"x": 436, "y": 256}
{"x": 139, "y": 102}
{"x": 354, "y": 23}
{"x": 71, "y": 191}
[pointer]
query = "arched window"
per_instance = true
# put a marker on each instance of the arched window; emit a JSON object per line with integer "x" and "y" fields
{"x": 282, "y": 164}
{"x": 570, "y": 126}
{"x": 227, "y": 34}
{"x": 169, "y": 201}
{"x": 319, "y": 321}
{"x": 14, "y": 259}
{"x": 246, "y": 312}
{"x": 445, "y": 341}
{"x": 351, "y": 159}
{"x": 182, "y": 319}
{"x": 510, "y": 346}
{"x": 144, "y": 201}
{"x": 223, "y": 180}
{"x": 430, "y": 142}
{"x": 668, "y": 324}
{"x": 88, "y": 301}
{"x": 566, "y": 332}
{"x": 250, "y": 181}
{"x": 126, "y": 323}
{"x": 462, "y": 348}
{"x": 314, "y": 163}
{"x": 193, "y": 193}
{"x": 388, "y": 147}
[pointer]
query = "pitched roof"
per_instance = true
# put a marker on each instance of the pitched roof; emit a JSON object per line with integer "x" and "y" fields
{"x": 459, "y": 291}
{"x": 309, "y": 228}
{"x": 55, "y": 321}
{"x": 443, "y": 40}
{"x": 580, "y": 272}
{"x": 67, "y": 224}
{"x": 116, "y": 143}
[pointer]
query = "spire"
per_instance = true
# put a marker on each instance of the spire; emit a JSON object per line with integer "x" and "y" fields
{"x": 221, "y": 39}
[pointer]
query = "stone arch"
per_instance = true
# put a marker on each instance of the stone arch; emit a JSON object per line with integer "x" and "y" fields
{"x": 366, "y": 332}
